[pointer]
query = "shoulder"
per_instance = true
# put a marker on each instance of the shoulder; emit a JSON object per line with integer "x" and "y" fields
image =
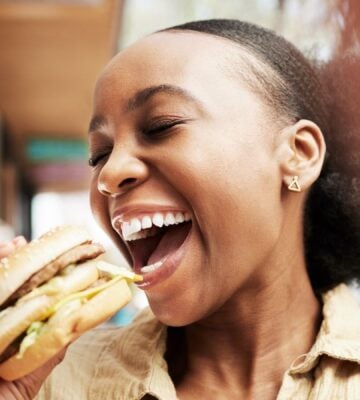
{"x": 341, "y": 314}
{"x": 331, "y": 369}
{"x": 102, "y": 349}
{"x": 339, "y": 335}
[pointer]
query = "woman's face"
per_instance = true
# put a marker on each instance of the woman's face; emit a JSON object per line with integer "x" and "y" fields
{"x": 174, "y": 132}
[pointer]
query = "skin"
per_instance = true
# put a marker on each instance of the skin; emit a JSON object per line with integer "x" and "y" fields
{"x": 229, "y": 164}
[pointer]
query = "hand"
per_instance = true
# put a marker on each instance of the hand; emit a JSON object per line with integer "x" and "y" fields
{"x": 7, "y": 248}
{"x": 27, "y": 387}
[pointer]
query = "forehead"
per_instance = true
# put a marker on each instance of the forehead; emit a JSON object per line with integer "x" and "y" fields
{"x": 212, "y": 70}
{"x": 181, "y": 58}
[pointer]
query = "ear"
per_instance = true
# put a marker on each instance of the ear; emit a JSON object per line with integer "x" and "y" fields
{"x": 301, "y": 151}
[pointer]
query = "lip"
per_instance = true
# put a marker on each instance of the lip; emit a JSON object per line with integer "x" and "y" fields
{"x": 171, "y": 264}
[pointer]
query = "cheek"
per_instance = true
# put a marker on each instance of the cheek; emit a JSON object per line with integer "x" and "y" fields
{"x": 234, "y": 191}
{"x": 226, "y": 178}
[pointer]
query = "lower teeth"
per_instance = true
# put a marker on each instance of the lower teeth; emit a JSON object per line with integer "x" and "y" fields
{"x": 152, "y": 267}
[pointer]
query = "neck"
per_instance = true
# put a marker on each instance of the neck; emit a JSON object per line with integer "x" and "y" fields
{"x": 252, "y": 340}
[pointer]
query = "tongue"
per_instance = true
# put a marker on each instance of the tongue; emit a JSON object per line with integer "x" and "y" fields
{"x": 170, "y": 242}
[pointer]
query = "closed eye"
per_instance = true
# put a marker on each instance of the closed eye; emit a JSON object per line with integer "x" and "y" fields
{"x": 98, "y": 156}
{"x": 94, "y": 161}
{"x": 160, "y": 128}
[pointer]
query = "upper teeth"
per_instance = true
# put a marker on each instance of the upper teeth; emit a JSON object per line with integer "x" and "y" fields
{"x": 134, "y": 229}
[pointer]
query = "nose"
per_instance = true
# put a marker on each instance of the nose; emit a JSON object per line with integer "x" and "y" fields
{"x": 121, "y": 173}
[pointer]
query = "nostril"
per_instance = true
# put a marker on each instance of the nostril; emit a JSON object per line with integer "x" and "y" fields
{"x": 127, "y": 182}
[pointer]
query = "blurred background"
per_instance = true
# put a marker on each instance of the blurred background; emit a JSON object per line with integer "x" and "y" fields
{"x": 51, "y": 53}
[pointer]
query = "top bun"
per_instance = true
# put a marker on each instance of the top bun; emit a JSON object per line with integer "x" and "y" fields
{"x": 20, "y": 265}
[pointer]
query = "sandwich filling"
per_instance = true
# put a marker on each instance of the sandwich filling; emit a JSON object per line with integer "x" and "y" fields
{"x": 109, "y": 274}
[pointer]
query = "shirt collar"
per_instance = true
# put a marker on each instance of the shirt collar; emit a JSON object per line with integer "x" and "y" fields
{"x": 143, "y": 367}
{"x": 339, "y": 335}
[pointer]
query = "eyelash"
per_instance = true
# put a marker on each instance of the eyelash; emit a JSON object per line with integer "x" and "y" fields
{"x": 97, "y": 155}
{"x": 159, "y": 129}
{"x": 94, "y": 161}
{"x": 156, "y": 130}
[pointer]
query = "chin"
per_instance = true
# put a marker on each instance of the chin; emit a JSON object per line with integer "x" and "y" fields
{"x": 176, "y": 314}
{"x": 173, "y": 320}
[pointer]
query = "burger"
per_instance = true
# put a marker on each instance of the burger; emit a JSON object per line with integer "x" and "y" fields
{"x": 52, "y": 290}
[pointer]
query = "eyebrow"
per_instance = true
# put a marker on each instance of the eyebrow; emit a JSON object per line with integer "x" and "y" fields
{"x": 143, "y": 96}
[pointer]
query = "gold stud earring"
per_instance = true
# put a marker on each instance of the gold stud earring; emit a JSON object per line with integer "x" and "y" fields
{"x": 294, "y": 184}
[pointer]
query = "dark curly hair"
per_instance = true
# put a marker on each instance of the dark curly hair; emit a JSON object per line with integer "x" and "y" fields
{"x": 299, "y": 89}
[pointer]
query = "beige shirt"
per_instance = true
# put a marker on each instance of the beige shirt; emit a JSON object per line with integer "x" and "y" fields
{"x": 128, "y": 363}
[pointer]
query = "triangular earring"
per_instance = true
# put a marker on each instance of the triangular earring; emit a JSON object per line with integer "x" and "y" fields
{"x": 294, "y": 184}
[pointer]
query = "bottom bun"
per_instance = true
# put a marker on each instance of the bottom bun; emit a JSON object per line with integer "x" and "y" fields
{"x": 58, "y": 335}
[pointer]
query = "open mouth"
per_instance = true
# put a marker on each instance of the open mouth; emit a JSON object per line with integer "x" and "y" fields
{"x": 155, "y": 242}
{"x": 150, "y": 253}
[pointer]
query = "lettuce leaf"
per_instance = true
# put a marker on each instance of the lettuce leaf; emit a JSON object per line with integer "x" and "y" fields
{"x": 32, "y": 333}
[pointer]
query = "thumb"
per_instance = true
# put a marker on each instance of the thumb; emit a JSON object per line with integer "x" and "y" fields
{"x": 30, "y": 384}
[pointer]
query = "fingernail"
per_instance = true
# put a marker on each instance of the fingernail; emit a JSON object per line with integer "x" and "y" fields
{"x": 19, "y": 241}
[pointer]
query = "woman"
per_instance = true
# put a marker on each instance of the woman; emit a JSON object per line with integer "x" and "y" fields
{"x": 220, "y": 123}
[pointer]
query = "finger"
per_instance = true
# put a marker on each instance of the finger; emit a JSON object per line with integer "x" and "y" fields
{"x": 19, "y": 241}
{"x": 6, "y": 249}
{"x": 42, "y": 372}
{"x": 29, "y": 385}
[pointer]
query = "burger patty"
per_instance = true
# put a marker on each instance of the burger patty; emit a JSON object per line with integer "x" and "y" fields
{"x": 78, "y": 254}
{"x": 12, "y": 349}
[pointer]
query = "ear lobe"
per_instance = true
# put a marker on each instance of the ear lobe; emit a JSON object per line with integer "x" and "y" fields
{"x": 303, "y": 152}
